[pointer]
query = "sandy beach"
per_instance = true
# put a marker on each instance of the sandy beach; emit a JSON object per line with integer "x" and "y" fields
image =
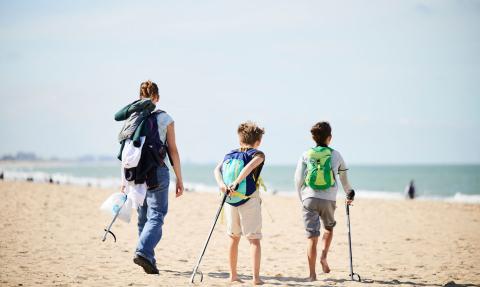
{"x": 50, "y": 235}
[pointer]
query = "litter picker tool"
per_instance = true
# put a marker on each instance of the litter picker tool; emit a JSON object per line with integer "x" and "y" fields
{"x": 195, "y": 270}
{"x": 107, "y": 230}
{"x": 353, "y": 276}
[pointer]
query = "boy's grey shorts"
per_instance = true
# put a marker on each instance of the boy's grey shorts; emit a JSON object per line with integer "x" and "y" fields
{"x": 315, "y": 209}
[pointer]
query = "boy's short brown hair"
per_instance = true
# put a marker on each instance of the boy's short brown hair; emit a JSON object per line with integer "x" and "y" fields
{"x": 249, "y": 133}
{"x": 320, "y": 132}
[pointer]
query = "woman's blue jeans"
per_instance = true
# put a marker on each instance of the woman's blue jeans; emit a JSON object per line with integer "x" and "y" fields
{"x": 152, "y": 215}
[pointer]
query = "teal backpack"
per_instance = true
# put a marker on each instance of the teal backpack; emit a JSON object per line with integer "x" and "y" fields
{"x": 319, "y": 168}
{"x": 233, "y": 163}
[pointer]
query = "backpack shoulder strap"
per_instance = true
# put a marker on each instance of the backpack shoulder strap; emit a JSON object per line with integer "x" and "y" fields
{"x": 157, "y": 112}
{"x": 251, "y": 152}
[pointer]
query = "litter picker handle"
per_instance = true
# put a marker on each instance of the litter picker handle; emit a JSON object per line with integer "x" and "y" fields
{"x": 195, "y": 269}
{"x": 353, "y": 276}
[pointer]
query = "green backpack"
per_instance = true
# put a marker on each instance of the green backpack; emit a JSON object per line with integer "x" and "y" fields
{"x": 319, "y": 168}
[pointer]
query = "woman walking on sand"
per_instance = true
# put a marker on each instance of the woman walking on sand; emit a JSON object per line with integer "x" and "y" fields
{"x": 152, "y": 213}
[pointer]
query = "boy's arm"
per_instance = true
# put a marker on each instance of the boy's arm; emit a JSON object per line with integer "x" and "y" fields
{"x": 342, "y": 173}
{"x": 299, "y": 177}
{"x": 219, "y": 178}
{"x": 255, "y": 162}
{"x": 344, "y": 180}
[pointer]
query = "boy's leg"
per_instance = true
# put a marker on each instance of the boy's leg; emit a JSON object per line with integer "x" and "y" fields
{"x": 251, "y": 223}
{"x": 312, "y": 257}
{"x": 328, "y": 219}
{"x": 234, "y": 232}
{"x": 256, "y": 253}
{"x": 326, "y": 240}
{"x": 311, "y": 220}
{"x": 233, "y": 258}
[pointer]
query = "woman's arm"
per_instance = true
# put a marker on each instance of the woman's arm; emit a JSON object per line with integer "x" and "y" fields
{"x": 175, "y": 157}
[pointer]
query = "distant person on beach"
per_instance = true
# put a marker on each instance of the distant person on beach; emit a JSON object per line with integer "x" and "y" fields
{"x": 316, "y": 182}
{"x": 238, "y": 174}
{"x": 410, "y": 190}
{"x": 151, "y": 214}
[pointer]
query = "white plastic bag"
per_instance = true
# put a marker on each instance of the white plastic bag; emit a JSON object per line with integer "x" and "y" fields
{"x": 131, "y": 154}
{"x": 118, "y": 201}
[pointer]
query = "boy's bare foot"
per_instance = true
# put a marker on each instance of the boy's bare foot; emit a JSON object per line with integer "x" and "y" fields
{"x": 312, "y": 278}
{"x": 325, "y": 267}
{"x": 235, "y": 280}
{"x": 257, "y": 281}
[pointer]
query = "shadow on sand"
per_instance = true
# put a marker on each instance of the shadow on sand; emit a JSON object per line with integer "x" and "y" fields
{"x": 293, "y": 281}
{"x": 270, "y": 280}
{"x": 177, "y": 273}
{"x": 398, "y": 282}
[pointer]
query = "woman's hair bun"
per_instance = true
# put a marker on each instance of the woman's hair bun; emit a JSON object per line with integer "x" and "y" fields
{"x": 149, "y": 90}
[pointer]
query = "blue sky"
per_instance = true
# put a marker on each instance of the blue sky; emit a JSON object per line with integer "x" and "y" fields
{"x": 398, "y": 80}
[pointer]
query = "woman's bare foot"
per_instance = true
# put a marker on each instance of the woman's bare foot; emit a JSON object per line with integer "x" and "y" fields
{"x": 325, "y": 267}
{"x": 312, "y": 278}
{"x": 257, "y": 281}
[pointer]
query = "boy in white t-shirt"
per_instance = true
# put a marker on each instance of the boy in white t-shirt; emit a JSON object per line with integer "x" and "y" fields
{"x": 316, "y": 182}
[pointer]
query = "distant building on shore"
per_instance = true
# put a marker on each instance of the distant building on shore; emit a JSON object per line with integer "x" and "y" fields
{"x": 30, "y": 156}
{"x": 21, "y": 156}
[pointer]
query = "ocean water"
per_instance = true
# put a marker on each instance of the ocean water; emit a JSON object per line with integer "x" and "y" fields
{"x": 441, "y": 182}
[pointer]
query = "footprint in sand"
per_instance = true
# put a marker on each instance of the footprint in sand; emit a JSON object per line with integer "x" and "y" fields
{"x": 81, "y": 277}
